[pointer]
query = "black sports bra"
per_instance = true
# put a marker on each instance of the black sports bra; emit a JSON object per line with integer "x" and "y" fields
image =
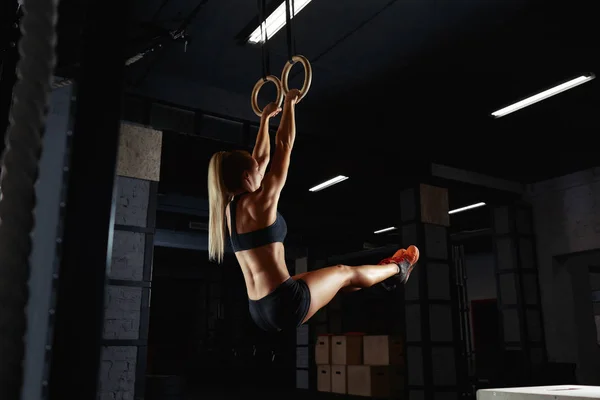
{"x": 274, "y": 233}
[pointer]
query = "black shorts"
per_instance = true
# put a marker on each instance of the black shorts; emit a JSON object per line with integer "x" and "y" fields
{"x": 284, "y": 308}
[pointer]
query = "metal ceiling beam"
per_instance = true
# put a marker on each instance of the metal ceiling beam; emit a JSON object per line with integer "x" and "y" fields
{"x": 181, "y": 204}
{"x": 166, "y": 116}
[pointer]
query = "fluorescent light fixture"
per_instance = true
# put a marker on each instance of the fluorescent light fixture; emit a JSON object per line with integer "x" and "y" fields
{"x": 276, "y": 21}
{"x": 328, "y": 183}
{"x": 472, "y": 206}
{"x": 543, "y": 95}
{"x": 391, "y": 228}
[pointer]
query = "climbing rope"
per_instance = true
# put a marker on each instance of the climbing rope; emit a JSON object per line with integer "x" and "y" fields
{"x": 19, "y": 165}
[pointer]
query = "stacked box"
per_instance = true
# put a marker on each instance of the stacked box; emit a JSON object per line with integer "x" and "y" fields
{"x": 382, "y": 373}
{"x": 361, "y": 365}
{"x": 332, "y": 355}
{"x": 323, "y": 350}
{"x": 380, "y": 381}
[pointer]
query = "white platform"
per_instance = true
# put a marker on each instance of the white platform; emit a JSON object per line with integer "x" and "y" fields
{"x": 563, "y": 392}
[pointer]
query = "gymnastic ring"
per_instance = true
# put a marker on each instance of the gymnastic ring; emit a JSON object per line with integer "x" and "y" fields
{"x": 285, "y": 74}
{"x": 259, "y": 84}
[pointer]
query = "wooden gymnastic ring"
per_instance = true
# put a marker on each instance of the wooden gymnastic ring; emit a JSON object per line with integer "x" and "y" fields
{"x": 259, "y": 84}
{"x": 285, "y": 74}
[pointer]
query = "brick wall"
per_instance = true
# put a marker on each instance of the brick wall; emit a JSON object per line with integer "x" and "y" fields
{"x": 567, "y": 221}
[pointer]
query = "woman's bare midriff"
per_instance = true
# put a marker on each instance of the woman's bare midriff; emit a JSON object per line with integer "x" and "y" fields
{"x": 264, "y": 269}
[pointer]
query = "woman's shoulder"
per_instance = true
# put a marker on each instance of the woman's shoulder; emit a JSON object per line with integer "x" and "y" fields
{"x": 260, "y": 200}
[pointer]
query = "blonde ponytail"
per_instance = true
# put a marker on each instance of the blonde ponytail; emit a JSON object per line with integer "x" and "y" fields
{"x": 218, "y": 199}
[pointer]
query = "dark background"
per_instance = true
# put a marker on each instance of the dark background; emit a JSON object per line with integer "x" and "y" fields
{"x": 397, "y": 85}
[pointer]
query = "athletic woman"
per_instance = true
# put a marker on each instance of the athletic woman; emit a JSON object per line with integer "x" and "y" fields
{"x": 244, "y": 197}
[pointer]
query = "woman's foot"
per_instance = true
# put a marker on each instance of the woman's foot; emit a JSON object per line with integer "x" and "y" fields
{"x": 406, "y": 260}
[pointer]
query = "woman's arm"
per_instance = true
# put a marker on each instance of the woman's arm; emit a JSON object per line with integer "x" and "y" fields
{"x": 262, "y": 148}
{"x": 284, "y": 141}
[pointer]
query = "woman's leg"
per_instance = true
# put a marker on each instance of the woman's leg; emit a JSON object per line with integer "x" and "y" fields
{"x": 347, "y": 289}
{"x": 325, "y": 283}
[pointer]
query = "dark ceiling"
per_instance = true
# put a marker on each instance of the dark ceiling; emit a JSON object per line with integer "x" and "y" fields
{"x": 392, "y": 71}
{"x": 397, "y": 84}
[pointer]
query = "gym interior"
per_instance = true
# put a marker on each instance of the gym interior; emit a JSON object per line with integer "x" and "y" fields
{"x": 111, "y": 112}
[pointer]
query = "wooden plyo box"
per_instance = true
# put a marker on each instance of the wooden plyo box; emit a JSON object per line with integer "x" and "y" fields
{"x": 323, "y": 350}
{"x": 382, "y": 381}
{"x": 339, "y": 382}
{"x": 383, "y": 350}
{"x": 324, "y": 378}
{"x": 347, "y": 350}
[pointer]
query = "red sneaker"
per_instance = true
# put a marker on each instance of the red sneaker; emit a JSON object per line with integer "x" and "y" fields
{"x": 406, "y": 260}
{"x": 395, "y": 259}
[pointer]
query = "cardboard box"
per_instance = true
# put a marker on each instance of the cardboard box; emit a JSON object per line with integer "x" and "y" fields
{"x": 383, "y": 350}
{"x": 338, "y": 379}
{"x": 347, "y": 350}
{"x": 323, "y": 350}
{"x": 380, "y": 381}
{"x": 324, "y": 378}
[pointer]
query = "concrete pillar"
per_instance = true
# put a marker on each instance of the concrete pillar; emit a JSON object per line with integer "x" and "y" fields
{"x": 566, "y": 221}
{"x": 595, "y": 285}
{"x": 518, "y": 289}
{"x": 127, "y": 304}
{"x": 431, "y": 315}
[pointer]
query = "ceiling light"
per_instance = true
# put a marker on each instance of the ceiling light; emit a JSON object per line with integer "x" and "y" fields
{"x": 276, "y": 21}
{"x": 543, "y": 95}
{"x": 328, "y": 183}
{"x": 391, "y": 228}
{"x": 472, "y": 206}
